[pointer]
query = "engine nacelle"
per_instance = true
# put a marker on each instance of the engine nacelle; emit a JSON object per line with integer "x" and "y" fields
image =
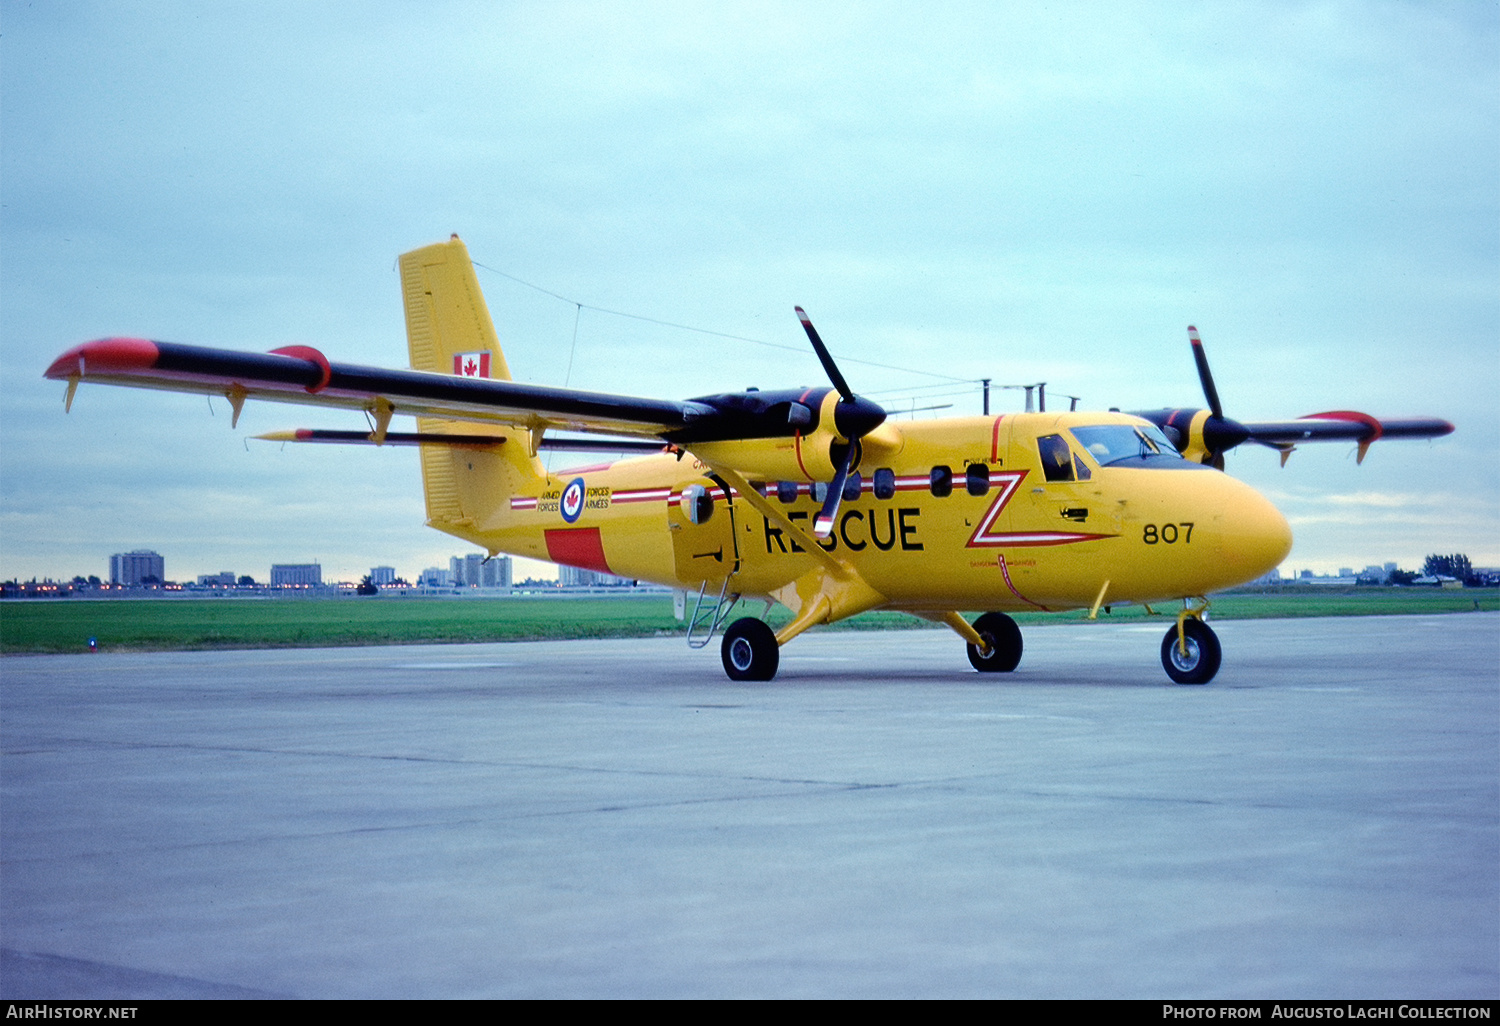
{"x": 813, "y": 456}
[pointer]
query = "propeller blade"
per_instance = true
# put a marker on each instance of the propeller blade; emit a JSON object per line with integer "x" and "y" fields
{"x": 853, "y": 418}
{"x": 823, "y": 524}
{"x": 1204, "y": 374}
{"x": 829, "y": 367}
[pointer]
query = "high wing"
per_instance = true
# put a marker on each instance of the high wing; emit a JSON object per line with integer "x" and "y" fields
{"x": 301, "y": 374}
{"x": 1343, "y": 425}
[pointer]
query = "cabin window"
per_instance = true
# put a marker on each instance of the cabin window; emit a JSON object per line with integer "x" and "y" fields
{"x": 1081, "y": 468}
{"x": 697, "y": 504}
{"x": 977, "y": 478}
{"x": 942, "y": 481}
{"x": 786, "y": 491}
{"x": 1057, "y": 458}
{"x": 885, "y": 483}
{"x": 853, "y": 484}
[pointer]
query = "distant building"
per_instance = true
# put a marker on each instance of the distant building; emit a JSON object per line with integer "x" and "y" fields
{"x": 132, "y": 568}
{"x": 573, "y": 577}
{"x": 496, "y": 573}
{"x": 222, "y": 579}
{"x": 435, "y": 577}
{"x": 463, "y": 571}
{"x": 474, "y": 571}
{"x": 382, "y": 575}
{"x": 296, "y": 575}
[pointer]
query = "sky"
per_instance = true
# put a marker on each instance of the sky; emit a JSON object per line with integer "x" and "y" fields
{"x": 1020, "y": 192}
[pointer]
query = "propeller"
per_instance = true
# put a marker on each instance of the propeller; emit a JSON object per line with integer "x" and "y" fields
{"x": 853, "y": 418}
{"x": 1220, "y": 433}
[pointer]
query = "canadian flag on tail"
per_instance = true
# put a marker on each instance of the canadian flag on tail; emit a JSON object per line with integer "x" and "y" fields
{"x": 472, "y": 365}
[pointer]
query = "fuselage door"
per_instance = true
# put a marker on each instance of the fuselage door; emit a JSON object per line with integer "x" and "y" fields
{"x": 700, "y": 517}
{"x": 1060, "y": 489}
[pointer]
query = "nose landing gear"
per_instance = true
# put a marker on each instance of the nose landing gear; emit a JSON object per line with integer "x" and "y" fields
{"x": 1192, "y": 658}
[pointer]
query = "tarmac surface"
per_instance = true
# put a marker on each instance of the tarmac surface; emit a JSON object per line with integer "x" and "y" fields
{"x": 617, "y": 819}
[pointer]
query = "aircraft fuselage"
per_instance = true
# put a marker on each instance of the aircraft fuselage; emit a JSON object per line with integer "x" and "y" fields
{"x": 966, "y": 513}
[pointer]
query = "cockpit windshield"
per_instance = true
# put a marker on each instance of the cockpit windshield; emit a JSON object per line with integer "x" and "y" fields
{"x": 1111, "y": 443}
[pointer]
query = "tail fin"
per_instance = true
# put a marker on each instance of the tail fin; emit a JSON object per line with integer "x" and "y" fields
{"x": 448, "y": 331}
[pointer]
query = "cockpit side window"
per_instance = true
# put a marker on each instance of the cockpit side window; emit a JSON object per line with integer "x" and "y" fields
{"x": 1057, "y": 458}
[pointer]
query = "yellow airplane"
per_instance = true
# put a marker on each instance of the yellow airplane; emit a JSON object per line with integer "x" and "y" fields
{"x": 809, "y": 498}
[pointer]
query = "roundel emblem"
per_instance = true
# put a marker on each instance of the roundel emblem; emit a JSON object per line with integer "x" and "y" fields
{"x": 572, "y": 500}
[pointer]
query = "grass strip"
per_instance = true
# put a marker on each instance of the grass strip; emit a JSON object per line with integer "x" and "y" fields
{"x": 66, "y": 625}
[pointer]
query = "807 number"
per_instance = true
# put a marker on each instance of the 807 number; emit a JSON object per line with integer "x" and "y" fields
{"x": 1167, "y": 534}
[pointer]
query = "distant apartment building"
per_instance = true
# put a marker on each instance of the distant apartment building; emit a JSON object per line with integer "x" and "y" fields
{"x": 381, "y": 575}
{"x": 474, "y": 571}
{"x": 134, "y": 567}
{"x": 573, "y": 577}
{"x": 296, "y": 575}
{"x": 222, "y": 579}
{"x": 435, "y": 577}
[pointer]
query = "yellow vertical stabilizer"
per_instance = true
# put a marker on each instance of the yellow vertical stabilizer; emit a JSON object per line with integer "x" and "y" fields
{"x": 449, "y": 331}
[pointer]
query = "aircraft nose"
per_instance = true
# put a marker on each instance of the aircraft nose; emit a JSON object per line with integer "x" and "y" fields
{"x": 1258, "y": 540}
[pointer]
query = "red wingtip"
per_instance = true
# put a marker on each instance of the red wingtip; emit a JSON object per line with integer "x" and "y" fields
{"x": 105, "y": 355}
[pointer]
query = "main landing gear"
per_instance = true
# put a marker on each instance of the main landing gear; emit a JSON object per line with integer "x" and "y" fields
{"x": 1194, "y": 657}
{"x": 1002, "y": 644}
{"x": 750, "y": 651}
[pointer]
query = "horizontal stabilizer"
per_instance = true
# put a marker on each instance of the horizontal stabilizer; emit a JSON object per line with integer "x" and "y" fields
{"x": 328, "y": 437}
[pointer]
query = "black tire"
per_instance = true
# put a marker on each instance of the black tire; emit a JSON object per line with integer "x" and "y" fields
{"x": 1203, "y": 653}
{"x": 1004, "y": 639}
{"x": 750, "y": 651}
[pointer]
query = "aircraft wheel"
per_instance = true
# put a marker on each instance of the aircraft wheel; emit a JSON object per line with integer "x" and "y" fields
{"x": 750, "y": 651}
{"x": 1004, "y": 639}
{"x": 1203, "y": 654}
